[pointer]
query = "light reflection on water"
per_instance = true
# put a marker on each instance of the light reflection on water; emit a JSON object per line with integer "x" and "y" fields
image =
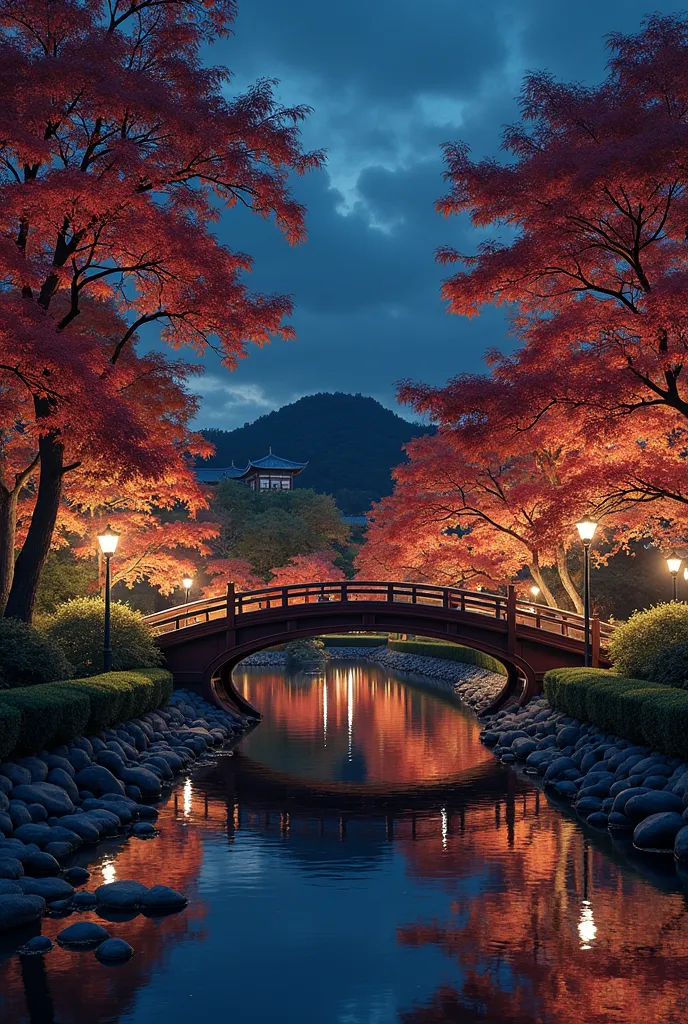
{"x": 362, "y": 858}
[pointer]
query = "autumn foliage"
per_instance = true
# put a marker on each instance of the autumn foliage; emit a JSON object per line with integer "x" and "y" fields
{"x": 118, "y": 150}
{"x": 589, "y": 256}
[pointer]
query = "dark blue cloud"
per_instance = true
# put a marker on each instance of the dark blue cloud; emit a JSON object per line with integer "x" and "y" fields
{"x": 389, "y": 81}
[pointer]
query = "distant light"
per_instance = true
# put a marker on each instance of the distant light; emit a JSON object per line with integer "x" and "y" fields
{"x": 108, "y": 540}
{"x": 535, "y": 590}
{"x": 586, "y": 529}
{"x": 108, "y": 870}
{"x": 673, "y": 562}
{"x": 685, "y": 574}
{"x": 587, "y": 931}
{"x": 188, "y": 798}
{"x": 187, "y": 582}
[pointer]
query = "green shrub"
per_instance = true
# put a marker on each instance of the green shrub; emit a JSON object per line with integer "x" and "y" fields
{"x": 452, "y": 652}
{"x": 28, "y": 656}
{"x": 639, "y": 710}
{"x": 636, "y": 644}
{"x": 354, "y": 640}
{"x": 10, "y": 725}
{"x": 50, "y": 715}
{"x": 308, "y": 650}
{"x": 77, "y": 628}
{"x": 670, "y": 666}
{"x": 116, "y": 696}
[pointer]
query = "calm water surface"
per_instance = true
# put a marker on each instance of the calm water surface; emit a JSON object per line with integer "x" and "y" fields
{"x": 362, "y": 859}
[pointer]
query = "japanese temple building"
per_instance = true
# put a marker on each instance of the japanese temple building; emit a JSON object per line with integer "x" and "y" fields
{"x": 271, "y": 473}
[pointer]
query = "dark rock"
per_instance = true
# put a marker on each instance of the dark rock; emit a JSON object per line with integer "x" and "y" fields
{"x": 658, "y": 831}
{"x": 49, "y": 888}
{"x": 654, "y": 781}
{"x": 77, "y": 875}
{"x": 38, "y": 833}
{"x": 83, "y": 935}
{"x": 17, "y": 775}
{"x": 648, "y": 764}
{"x": 112, "y": 761}
{"x": 16, "y": 911}
{"x": 114, "y": 950}
{"x": 167, "y": 774}
{"x": 5, "y": 785}
{"x": 121, "y": 895}
{"x": 61, "y": 834}
{"x": 650, "y": 803}
{"x": 38, "y": 812}
{"x": 598, "y": 819}
{"x": 59, "y": 777}
{"x": 566, "y": 788}
{"x": 55, "y": 800}
{"x": 4, "y": 803}
{"x": 147, "y": 813}
{"x": 19, "y": 813}
{"x": 588, "y": 805}
{"x": 82, "y": 743}
{"x": 107, "y": 823}
{"x": 37, "y": 946}
{"x": 162, "y": 897}
{"x": 60, "y": 908}
{"x": 620, "y": 822}
{"x": 59, "y": 850}
{"x": 681, "y": 845}
{"x": 82, "y": 826}
{"x": 54, "y": 761}
{"x": 84, "y": 900}
{"x": 138, "y": 736}
{"x": 78, "y": 759}
{"x": 8, "y": 887}
{"x": 134, "y": 793}
{"x": 143, "y": 830}
{"x": 619, "y": 787}
{"x": 508, "y": 758}
{"x": 558, "y": 767}
{"x": 41, "y": 862}
{"x": 147, "y": 781}
{"x": 591, "y": 759}
{"x": 97, "y": 744}
{"x": 622, "y": 799}
{"x": 6, "y": 824}
{"x": 37, "y": 768}
{"x": 11, "y": 868}
{"x": 569, "y": 734}
{"x": 99, "y": 780}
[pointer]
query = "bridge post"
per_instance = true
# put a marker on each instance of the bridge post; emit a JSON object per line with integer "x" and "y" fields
{"x": 231, "y": 601}
{"x": 595, "y": 642}
{"x": 511, "y": 619}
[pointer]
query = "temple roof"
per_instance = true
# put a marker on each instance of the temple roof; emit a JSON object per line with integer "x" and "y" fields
{"x": 214, "y": 474}
{"x": 271, "y": 461}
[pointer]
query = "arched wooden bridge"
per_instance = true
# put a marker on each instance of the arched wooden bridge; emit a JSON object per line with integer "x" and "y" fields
{"x": 204, "y": 641}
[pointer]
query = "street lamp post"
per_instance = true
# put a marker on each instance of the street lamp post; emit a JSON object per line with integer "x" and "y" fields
{"x": 187, "y": 583}
{"x": 586, "y": 531}
{"x": 108, "y": 540}
{"x": 673, "y": 562}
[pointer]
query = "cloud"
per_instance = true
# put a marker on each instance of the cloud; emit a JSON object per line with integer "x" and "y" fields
{"x": 389, "y": 81}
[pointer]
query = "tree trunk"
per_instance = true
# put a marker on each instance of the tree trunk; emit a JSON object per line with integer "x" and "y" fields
{"x": 27, "y": 568}
{"x": 536, "y": 573}
{"x": 567, "y": 582}
{"x": 8, "y": 529}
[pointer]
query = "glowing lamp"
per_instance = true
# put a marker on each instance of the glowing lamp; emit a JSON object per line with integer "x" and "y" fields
{"x": 108, "y": 540}
{"x": 586, "y": 529}
{"x": 535, "y": 590}
{"x": 187, "y": 582}
{"x": 673, "y": 562}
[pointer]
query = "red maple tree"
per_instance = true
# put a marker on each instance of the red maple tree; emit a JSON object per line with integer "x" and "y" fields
{"x": 117, "y": 149}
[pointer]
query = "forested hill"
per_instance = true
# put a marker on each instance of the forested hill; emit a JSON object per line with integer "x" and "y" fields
{"x": 350, "y": 442}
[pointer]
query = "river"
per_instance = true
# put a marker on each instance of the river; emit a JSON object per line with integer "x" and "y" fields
{"x": 361, "y": 858}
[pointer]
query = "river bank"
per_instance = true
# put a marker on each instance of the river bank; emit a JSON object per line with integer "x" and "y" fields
{"x": 636, "y": 796}
{"x": 477, "y": 687}
{"x": 57, "y": 802}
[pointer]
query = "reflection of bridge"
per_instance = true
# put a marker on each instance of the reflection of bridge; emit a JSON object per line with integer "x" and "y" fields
{"x": 205, "y": 640}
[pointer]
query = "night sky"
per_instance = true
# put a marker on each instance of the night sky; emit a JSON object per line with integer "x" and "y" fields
{"x": 388, "y": 81}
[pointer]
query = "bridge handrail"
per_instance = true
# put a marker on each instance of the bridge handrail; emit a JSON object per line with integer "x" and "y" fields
{"x": 483, "y": 603}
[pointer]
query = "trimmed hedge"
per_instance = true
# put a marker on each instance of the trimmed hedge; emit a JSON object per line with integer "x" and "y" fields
{"x": 10, "y": 724}
{"x": 452, "y": 652}
{"x": 50, "y": 715}
{"x": 670, "y": 667}
{"x": 35, "y": 717}
{"x": 351, "y": 640}
{"x": 636, "y": 709}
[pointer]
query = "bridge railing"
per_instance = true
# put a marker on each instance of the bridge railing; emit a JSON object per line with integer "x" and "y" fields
{"x": 516, "y": 614}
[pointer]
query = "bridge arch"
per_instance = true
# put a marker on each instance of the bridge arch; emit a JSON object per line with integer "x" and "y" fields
{"x": 203, "y": 641}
